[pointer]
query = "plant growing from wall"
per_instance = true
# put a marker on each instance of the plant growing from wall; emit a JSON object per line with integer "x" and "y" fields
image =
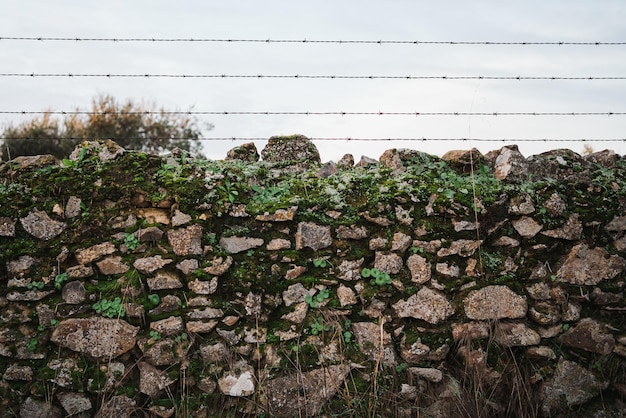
{"x": 110, "y": 308}
{"x": 379, "y": 277}
{"x": 314, "y": 301}
{"x": 318, "y": 326}
{"x": 59, "y": 280}
{"x": 131, "y": 241}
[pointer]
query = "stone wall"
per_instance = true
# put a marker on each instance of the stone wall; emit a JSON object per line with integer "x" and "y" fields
{"x": 471, "y": 285}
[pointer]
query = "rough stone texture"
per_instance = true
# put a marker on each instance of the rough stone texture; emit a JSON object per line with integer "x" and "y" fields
{"x": 164, "y": 280}
{"x": 280, "y": 215}
{"x": 305, "y": 393}
{"x": 33, "y": 408}
{"x": 510, "y": 334}
{"x": 236, "y": 245}
{"x": 245, "y": 152}
{"x": 38, "y": 224}
{"x": 388, "y": 263}
{"x": 430, "y": 374}
{"x": 462, "y": 247}
{"x": 427, "y": 305}
{"x": 572, "y": 229}
{"x": 352, "y": 232}
{"x": 374, "y": 342}
{"x": 508, "y": 164}
{"x": 420, "y": 268}
{"x": 237, "y": 384}
{"x": 464, "y": 160}
{"x": 521, "y": 205}
{"x": 97, "y": 337}
{"x": 296, "y": 152}
{"x": 186, "y": 241}
{"x": 105, "y": 150}
{"x": 589, "y": 335}
{"x": 571, "y": 385}
{"x": 350, "y": 269}
{"x": 219, "y": 265}
{"x": 494, "y": 302}
{"x": 151, "y": 264}
{"x": 93, "y": 253}
{"x": 313, "y": 236}
{"x": 7, "y": 227}
{"x": 152, "y": 380}
{"x": 526, "y": 227}
{"x": 112, "y": 265}
{"x": 74, "y": 403}
{"x": 585, "y": 266}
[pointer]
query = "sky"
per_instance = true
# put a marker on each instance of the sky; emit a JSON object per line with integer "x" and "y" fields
{"x": 398, "y": 20}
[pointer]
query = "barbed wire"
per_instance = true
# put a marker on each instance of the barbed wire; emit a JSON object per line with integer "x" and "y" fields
{"x": 309, "y": 76}
{"x": 309, "y": 113}
{"x": 304, "y": 41}
{"x": 338, "y": 138}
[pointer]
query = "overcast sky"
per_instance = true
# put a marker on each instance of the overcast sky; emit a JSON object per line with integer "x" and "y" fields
{"x": 408, "y": 20}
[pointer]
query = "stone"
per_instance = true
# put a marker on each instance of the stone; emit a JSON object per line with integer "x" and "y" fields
{"x": 589, "y": 335}
{"x": 293, "y": 153}
{"x": 188, "y": 266}
{"x": 465, "y": 225}
{"x": 280, "y": 215}
{"x": 378, "y": 243}
{"x": 152, "y": 380}
{"x": 294, "y": 293}
{"x": 426, "y": 304}
{"x": 572, "y": 230}
{"x": 378, "y": 220}
{"x": 347, "y": 161}
{"x": 448, "y": 270}
{"x": 105, "y": 150}
{"x": 164, "y": 281}
{"x": 404, "y": 215}
{"x": 313, "y": 236}
{"x": 73, "y": 292}
{"x": 214, "y": 353}
{"x": 617, "y": 224}
{"x": 562, "y": 165}
{"x": 464, "y": 160}
{"x": 7, "y": 227}
{"x": 168, "y": 326}
{"x": 168, "y": 303}
{"x": 505, "y": 241}
{"x": 541, "y": 353}
{"x": 123, "y": 221}
{"x": 570, "y": 385}
{"x": 149, "y": 265}
{"x": 401, "y": 242}
{"x": 206, "y": 313}
{"x": 419, "y": 352}
{"x": 112, "y": 265}
{"x": 538, "y": 291}
{"x": 33, "y": 408}
{"x": 526, "y": 227}
{"x": 365, "y": 161}
{"x": 203, "y": 287}
{"x": 494, "y": 302}
{"x": 154, "y": 216}
{"x": 120, "y": 406}
{"x": 346, "y": 296}
{"x": 430, "y": 374}
{"x": 374, "y": 342}
{"x": 352, "y": 232}
{"x": 179, "y": 218}
{"x": 245, "y": 152}
{"x": 398, "y": 159}
{"x": 24, "y": 162}
{"x": 186, "y": 241}
{"x": 164, "y": 352}
{"x": 514, "y": 334}
{"x": 38, "y": 224}
{"x": 388, "y": 263}
{"x": 201, "y": 327}
{"x": 79, "y": 272}
{"x": 521, "y": 205}
{"x": 96, "y": 336}
{"x": 555, "y": 205}
{"x": 237, "y": 384}
{"x": 462, "y": 247}
{"x": 295, "y": 272}
{"x": 277, "y": 244}
{"x": 420, "y": 268}
{"x": 95, "y": 252}
{"x": 235, "y": 245}
{"x": 219, "y": 265}
{"x": 73, "y": 207}
{"x": 508, "y": 164}
{"x": 585, "y": 266}
{"x": 149, "y": 234}
{"x": 22, "y": 266}
{"x": 74, "y": 403}
{"x": 304, "y": 394}
{"x": 327, "y": 170}
{"x": 470, "y": 331}
{"x": 350, "y": 269}
{"x": 15, "y": 372}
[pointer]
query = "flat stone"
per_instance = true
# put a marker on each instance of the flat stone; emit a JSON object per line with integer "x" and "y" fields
{"x": 428, "y": 305}
{"x": 278, "y": 244}
{"x": 571, "y": 385}
{"x": 79, "y": 272}
{"x": 179, "y": 218}
{"x": 154, "y": 216}
{"x": 465, "y": 225}
{"x": 350, "y": 269}
{"x": 313, "y": 236}
{"x": 149, "y": 234}
{"x": 346, "y": 296}
{"x": 87, "y": 255}
{"x": 541, "y": 353}
{"x": 298, "y": 314}
{"x": 33, "y": 408}
{"x": 571, "y": 231}
{"x": 168, "y": 326}
{"x": 515, "y": 334}
{"x": 470, "y": 331}
{"x": 21, "y": 267}
{"x": 219, "y": 265}
{"x": 152, "y": 380}
{"x": 206, "y": 313}
{"x": 112, "y": 265}
{"x": 352, "y": 232}
{"x": 164, "y": 280}
{"x": 164, "y": 352}
{"x": 494, "y": 302}
{"x": 281, "y": 215}
{"x": 188, "y": 266}
{"x": 462, "y": 247}
{"x": 73, "y": 207}
{"x": 389, "y": 263}
{"x": 585, "y": 266}
{"x": 203, "y": 287}
{"x": 235, "y": 245}
{"x": 401, "y": 242}
{"x": 294, "y": 293}
{"x": 96, "y": 336}
{"x": 15, "y": 372}
{"x": 521, "y": 205}
{"x": 186, "y": 241}
{"x": 368, "y": 337}
{"x": 589, "y": 335}
{"x": 201, "y": 327}
{"x": 74, "y": 403}
{"x": 526, "y": 227}
{"x": 420, "y": 268}
{"x": 7, "y": 227}
{"x": 38, "y": 224}
{"x": 151, "y": 264}
{"x": 73, "y": 292}
{"x": 430, "y": 374}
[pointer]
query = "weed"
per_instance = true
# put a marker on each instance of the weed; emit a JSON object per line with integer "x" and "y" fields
{"x": 59, "y": 280}
{"x": 314, "y": 301}
{"x": 31, "y": 345}
{"x": 318, "y": 326}
{"x": 155, "y": 335}
{"x": 131, "y": 241}
{"x": 110, "y": 308}
{"x": 379, "y": 277}
{"x": 227, "y": 189}
{"x": 36, "y": 285}
{"x": 320, "y": 262}
{"x": 154, "y": 299}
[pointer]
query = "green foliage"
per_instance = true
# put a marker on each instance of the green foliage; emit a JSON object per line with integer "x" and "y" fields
{"x": 380, "y": 278}
{"x": 180, "y": 338}
{"x": 228, "y": 190}
{"x": 320, "y": 262}
{"x": 36, "y": 285}
{"x": 59, "y": 280}
{"x": 318, "y": 326}
{"x": 154, "y": 299}
{"x": 155, "y": 335}
{"x": 110, "y": 308}
{"x": 131, "y": 241}
{"x": 31, "y": 345}
{"x": 314, "y": 301}
{"x": 132, "y": 126}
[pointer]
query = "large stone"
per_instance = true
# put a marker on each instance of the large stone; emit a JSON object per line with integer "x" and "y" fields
{"x": 428, "y": 305}
{"x": 152, "y": 380}
{"x": 508, "y": 164}
{"x": 304, "y": 394}
{"x": 526, "y": 227}
{"x": 105, "y": 150}
{"x": 494, "y": 302}
{"x": 33, "y": 408}
{"x": 571, "y": 385}
{"x": 464, "y": 160}
{"x": 38, "y": 224}
{"x": 420, "y": 268}
{"x": 563, "y": 165}
{"x": 245, "y": 152}
{"x": 313, "y": 236}
{"x": 511, "y": 334}
{"x": 589, "y": 335}
{"x": 374, "y": 342}
{"x": 389, "y": 263}
{"x": 295, "y": 153}
{"x": 74, "y": 403}
{"x": 96, "y": 336}
{"x": 112, "y": 265}
{"x": 572, "y": 230}
{"x": 236, "y": 245}
{"x": 151, "y": 264}
{"x": 186, "y": 241}
{"x": 164, "y": 280}
{"x": 585, "y": 266}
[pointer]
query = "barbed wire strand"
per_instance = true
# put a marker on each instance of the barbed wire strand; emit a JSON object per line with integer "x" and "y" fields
{"x": 422, "y": 139}
{"x": 304, "y": 41}
{"x": 309, "y": 113}
{"x": 310, "y": 76}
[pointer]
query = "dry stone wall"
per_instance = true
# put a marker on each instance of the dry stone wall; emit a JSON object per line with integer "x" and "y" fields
{"x": 471, "y": 285}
